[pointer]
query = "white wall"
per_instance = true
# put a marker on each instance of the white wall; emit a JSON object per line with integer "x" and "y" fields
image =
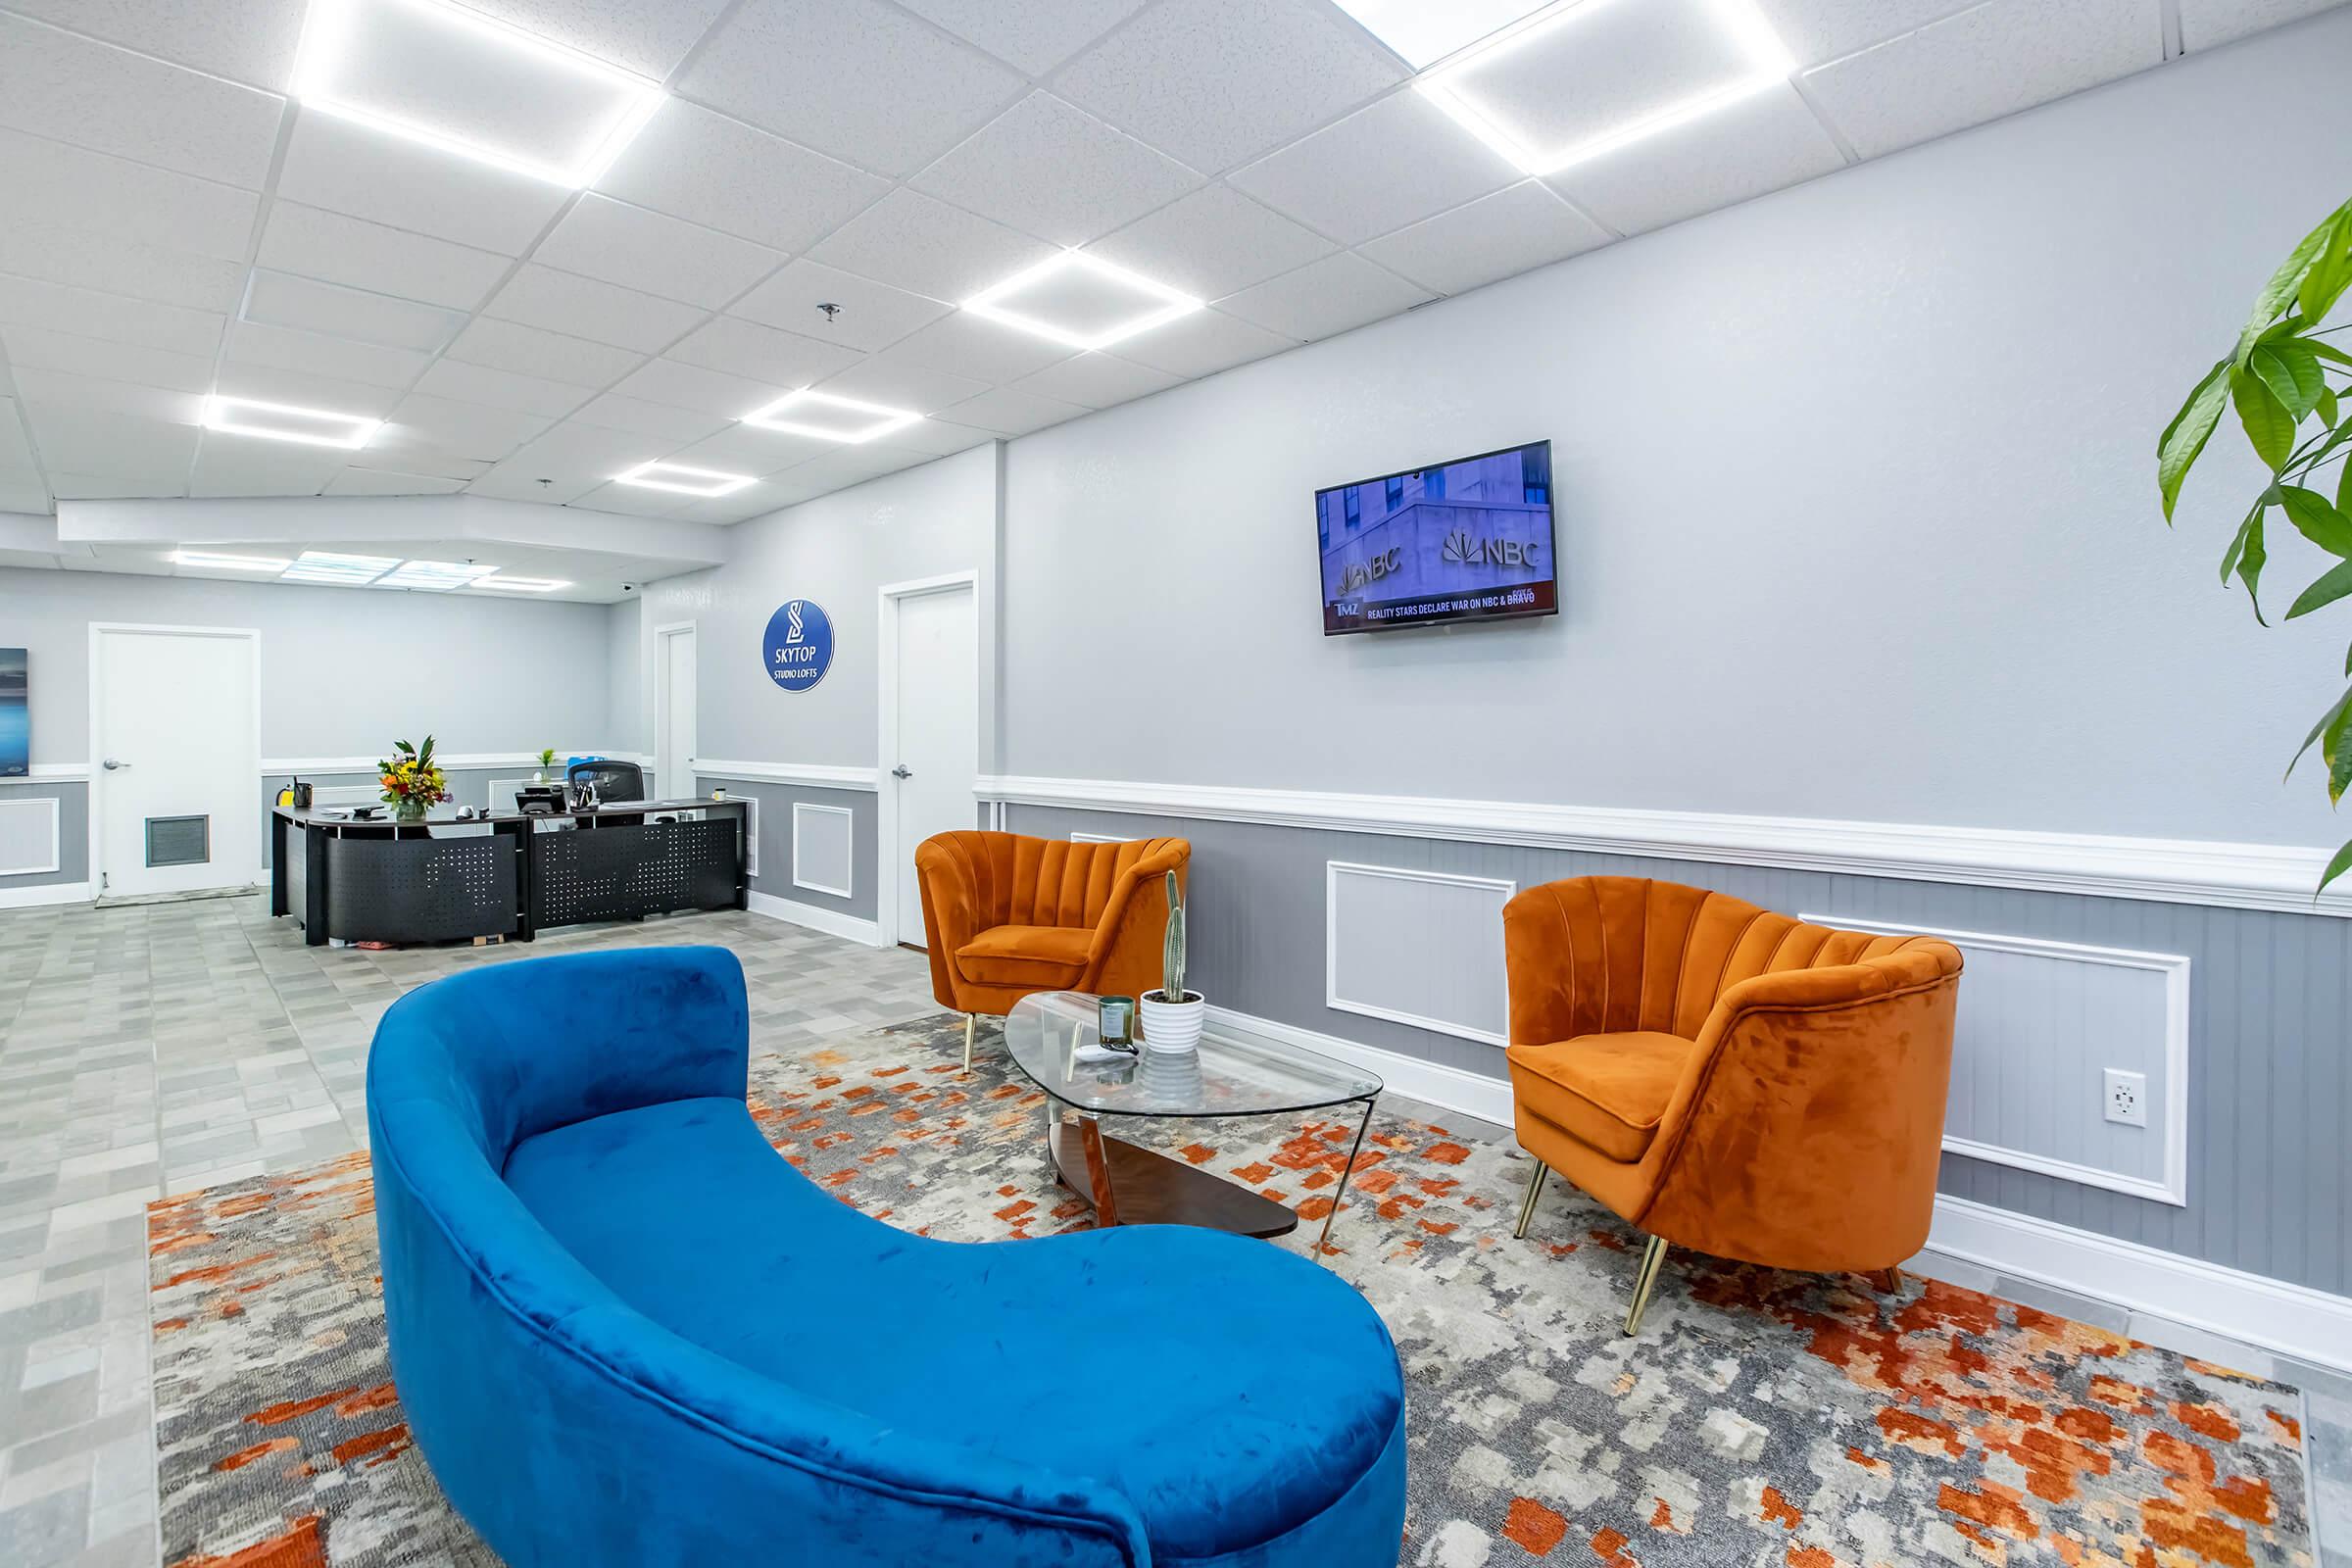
{"x": 1855, "y": 504}
{"x": 345, "y": 672}
{"x": 632, "y": 721}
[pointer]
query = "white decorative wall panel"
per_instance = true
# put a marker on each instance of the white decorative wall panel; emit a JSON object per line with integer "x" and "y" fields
{"x": 28, "y": 843}
{"x": 820, "y": 847}
{"x": 1421, "y": 948}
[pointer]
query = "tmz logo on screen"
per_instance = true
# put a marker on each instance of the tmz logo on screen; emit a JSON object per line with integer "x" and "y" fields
{"x": 1460, "y": 548}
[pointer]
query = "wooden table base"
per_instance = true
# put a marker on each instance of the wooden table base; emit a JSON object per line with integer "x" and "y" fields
{"x": 1131, "y": 1185}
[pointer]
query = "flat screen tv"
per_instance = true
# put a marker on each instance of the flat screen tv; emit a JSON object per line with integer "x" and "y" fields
{"x": 1466, "y": 540}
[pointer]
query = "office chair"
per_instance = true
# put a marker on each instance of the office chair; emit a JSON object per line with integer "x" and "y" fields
{"x": 613, "y": 781}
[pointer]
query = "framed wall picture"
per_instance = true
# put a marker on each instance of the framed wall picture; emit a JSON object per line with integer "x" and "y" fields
{"x": 16, "y": 714}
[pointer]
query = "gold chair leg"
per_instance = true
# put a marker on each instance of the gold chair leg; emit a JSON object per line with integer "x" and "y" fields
{"x": 1527, "y": 1203}
{"x": 1890, "y": 1280}
{"x": 971, "y": 1021}
{"x": 1653, "y": 1257}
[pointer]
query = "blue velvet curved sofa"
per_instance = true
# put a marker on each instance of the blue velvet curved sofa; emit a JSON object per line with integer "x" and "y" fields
{"x": 626, "y": 1332}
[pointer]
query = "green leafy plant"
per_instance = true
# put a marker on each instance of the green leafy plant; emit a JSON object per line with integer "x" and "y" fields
{"x": 2283, "y": 375}
{"x": 547, "y": 757}
{"x": 1172, "y": 951}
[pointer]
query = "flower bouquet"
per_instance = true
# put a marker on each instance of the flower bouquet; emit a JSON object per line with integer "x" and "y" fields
{"x": 412, "y": 781}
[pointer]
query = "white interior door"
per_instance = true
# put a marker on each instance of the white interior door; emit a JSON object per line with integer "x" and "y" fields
{"x": 673, "y": 746}
{"x": 936, "y": 756}
{"x": 174, "y": 723}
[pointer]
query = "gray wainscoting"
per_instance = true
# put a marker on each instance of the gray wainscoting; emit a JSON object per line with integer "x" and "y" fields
{"x": 72, "y": 807}
{"x": 832, "y": 843}
{"x": 2268, "y": 1009}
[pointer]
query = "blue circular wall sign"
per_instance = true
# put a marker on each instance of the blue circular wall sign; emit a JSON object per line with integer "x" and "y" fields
{"x": 799, "y": 647}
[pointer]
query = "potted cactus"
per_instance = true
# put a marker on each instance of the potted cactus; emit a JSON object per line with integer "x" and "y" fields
{"x": 1171, "y": 1015}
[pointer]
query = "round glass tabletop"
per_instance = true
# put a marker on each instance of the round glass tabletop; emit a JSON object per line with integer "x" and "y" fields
{"x": 1223, "y": 1077}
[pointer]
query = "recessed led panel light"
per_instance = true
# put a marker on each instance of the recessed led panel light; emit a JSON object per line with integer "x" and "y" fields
{"x": 805, "y": 412}
{"x": 287, "y": 421}
{"x": 432, "y": 576}
{"x": 683, "y": 480}
{"x": 1423, "y": 33}
{"x": 342, "y": 571}
{"x": 1761, "y": 62}
{"x": 1098, "y": 304}
{"x": 468, "y": 84}
{"x": 523, "y": 585}
{"x": 216, "y": 561}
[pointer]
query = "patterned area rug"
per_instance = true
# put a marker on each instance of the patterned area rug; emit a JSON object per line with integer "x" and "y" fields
{"x": 1760, "y": 1419}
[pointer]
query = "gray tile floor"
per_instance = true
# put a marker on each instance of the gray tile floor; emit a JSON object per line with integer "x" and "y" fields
{"x": 152, "y": 1048}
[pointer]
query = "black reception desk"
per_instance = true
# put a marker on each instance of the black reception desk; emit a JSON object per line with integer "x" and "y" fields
{"x": 505, "y": 873}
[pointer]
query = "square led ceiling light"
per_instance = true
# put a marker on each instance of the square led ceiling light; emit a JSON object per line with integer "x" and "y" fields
{"x": 287, "y": 421}
{"x": 215, "y": 561}
{"x": 677, "y": 477}
{"x": 462, "y": 83}
{"x": 1586, "y": 78}
{"x": 829, "y": 418}
{"x": 1080, "y": 301}
{"x": 339, "y": 570}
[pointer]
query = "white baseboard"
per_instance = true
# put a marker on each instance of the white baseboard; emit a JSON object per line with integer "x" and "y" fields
{"x": 49, "y": 893}
{"x": 2292, "y": 1319}
{"x": 830, "y": 921}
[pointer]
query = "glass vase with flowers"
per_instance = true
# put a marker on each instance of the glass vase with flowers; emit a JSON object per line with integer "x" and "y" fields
{"x": 413, "y": 780}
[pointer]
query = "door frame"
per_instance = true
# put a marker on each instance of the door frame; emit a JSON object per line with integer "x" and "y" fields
{"x": 667, "y": 788}
{"x": 890, "y": 597}
{"x": 257, "y": 874}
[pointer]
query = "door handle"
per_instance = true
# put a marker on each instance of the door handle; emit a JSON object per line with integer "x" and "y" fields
{"x": 110, "y": 764}
{"x": 899, "y": 771}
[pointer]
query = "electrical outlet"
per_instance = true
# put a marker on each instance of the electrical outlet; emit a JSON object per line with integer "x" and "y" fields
{"x": 2126, "y": 1097}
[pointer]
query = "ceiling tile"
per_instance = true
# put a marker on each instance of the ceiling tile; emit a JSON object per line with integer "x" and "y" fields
{"x": 968, "y": 345}
{"x": 693, "y": 386}
{"x": 304, "y": 389}
{"x": 1095, "y": 380}
{"x": 675, "y": 425}
{"x": 1422, "y": 34}
{"x": 375, "y": 364}
{"x": 1323, "y": 299}
{"x": 1217, "y": 82}
{"x": 2003, "y": 56}
{"x": 468, "y": 382}
{"x": 872, "y": 315}
{"x": 349, "y": 168}
{"x": 1202, "y": 344}
{"x": 1007, "y": 412}
{"x": 252, "y": 41}
{"x": 748, "y": 449}
{"x": 857, "y": 79}
{"x": 912, "y": 242}
{"x": 48, "y": 184}
{"x": 647, "y": 36}
{"x": 1053, "y": 170}
{"x": 1817, "y": 31}
{"x": 1396, "y": 162}
{"x": 902, "y": 386}
{"x": 385, "y": 482}
{"x": 86, "y": 312}
{"x": 231, "y": 465}
{"x": 1493, "y": 237}
{"x": 1760, "y": 144}
{"x": 417, "y": 460}
{"x": 634, "y": 501}
{"x": 604, "y": 313}
{"x": 551, "y": 355}
{"x": 1034, "y": 35}
{"x": 287, "y": 299}
{"x": 1212, "y": 243}
{"x": 709, "y": 169}
{"x": 390, "y": 261}
{"x": 38, "y": 348}
{"x": 157, "y": 483}
{"x": 2207, "y": 23}
{"x": 124, "y": 454}
{"x": 763, "y": 353}
{"x": 642, "y": 249}
{"x": 113, "y": 264}
{"x": 94, "y": 95}
{"x": 59, "y": 389}
{"x": 724, "y": 510}
{"x": 937, "y": 437}
{"x": 522, "y": 477}
{"x": 456, "y": 430}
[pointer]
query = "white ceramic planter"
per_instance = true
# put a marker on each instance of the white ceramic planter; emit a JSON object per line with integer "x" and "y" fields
{"x": 1172, "y": 1026}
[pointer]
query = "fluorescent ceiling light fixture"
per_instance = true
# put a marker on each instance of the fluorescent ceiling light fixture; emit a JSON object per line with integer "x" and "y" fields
{"x": 342, "y": 571}
{"x": 1076, "y": 282}
{"x": 216, "y": 561}
{"x": 523, "y": 585}
{"x": 677, "y": 477}
{"x": 1423, "y": 33}
{"x": 798, "y": 413}
{"x": 287, "y": 421}
{"x": 1452, "y": 86}
{"x": 468, "y": 84}
{"x": 432, "y": 576}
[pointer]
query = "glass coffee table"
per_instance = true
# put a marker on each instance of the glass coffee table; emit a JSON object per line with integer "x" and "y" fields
{"x": 1128, "y": 1184}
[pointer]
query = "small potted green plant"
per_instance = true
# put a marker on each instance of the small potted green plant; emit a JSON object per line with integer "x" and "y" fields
{"x": 1172, "y": 1016}
{"x": 547, "y": 759}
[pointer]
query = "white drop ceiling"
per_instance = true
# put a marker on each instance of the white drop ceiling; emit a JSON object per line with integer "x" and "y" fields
{"x": 199, "y": 205}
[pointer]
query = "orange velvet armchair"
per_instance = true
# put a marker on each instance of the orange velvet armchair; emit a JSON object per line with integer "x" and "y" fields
{"x": 1725, "y": 1078}
{"x": 1005, "y": 915}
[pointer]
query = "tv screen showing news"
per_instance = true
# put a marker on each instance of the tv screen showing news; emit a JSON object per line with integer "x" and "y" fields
{"x": 1466, "y": 540}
